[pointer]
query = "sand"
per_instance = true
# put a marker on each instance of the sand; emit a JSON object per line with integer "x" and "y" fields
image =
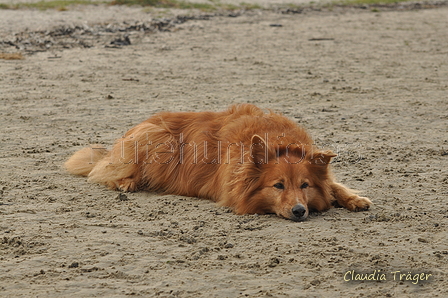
{"x": 370, "y": 84}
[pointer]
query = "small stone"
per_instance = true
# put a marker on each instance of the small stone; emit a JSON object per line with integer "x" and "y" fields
{"x": 273, "y": 262}
{"x": 122, "y": 197}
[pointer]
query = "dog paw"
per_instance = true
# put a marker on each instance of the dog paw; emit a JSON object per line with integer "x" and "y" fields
{"x": 360, "y": 204}
{"x": 127, "y": 185}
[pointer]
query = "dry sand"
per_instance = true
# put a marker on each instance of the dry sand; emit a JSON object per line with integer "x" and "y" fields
{"x": 372, "y": 85}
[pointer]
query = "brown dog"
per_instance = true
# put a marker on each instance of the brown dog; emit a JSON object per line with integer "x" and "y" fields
{"x": 242, "y": 158}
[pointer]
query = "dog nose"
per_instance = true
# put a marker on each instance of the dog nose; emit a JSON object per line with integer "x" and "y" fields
{"x": 298, "y": 211}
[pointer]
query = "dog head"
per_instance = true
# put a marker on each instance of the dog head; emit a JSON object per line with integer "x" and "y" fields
{"x": 286, "y": 180}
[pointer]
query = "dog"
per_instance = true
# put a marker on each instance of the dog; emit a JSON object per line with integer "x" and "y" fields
{"x": 252, "y": 161}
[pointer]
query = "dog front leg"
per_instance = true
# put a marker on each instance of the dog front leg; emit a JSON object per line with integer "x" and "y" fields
{"x": 347, "y": 198}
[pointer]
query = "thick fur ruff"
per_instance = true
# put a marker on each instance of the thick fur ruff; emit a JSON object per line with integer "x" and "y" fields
{"x": 243, "y": 158}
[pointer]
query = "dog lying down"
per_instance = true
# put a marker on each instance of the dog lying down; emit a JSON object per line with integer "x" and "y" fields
{"x": 242, "y": 158}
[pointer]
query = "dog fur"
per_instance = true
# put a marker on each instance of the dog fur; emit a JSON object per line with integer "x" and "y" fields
{"x": 242, "y": 158}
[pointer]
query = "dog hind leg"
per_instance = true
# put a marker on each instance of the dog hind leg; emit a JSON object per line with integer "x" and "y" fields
{"x": 126, "y": 165}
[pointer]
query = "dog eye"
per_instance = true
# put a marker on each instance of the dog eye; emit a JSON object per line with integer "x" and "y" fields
{"x": 279, "y": 185}
{"x": 304, "y": 185}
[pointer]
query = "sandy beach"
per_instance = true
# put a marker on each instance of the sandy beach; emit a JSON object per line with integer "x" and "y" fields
{"x": 370, "y": 84}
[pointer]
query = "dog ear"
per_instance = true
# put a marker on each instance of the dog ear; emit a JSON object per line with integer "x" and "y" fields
{"x": 258, "y": 150}
{"x": 322, "y": 158}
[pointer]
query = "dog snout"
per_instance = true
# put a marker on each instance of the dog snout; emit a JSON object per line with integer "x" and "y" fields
{"x": 299, "y": 212}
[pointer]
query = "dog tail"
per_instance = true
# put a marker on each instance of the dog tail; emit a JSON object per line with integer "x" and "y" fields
{"x": 83, "y": 161}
